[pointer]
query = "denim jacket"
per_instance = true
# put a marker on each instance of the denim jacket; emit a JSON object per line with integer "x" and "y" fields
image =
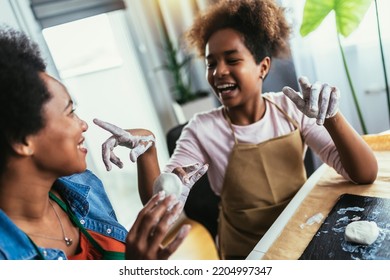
{"x": 88, "y": 200}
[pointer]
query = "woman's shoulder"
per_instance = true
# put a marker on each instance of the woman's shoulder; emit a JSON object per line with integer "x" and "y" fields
{"x": 80, "y": 184}
{"x": 14, "y": 243}
{"x": 84, "y": 178}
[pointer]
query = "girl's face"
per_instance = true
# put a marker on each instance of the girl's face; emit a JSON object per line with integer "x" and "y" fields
{"x": 231, "y": 69}
{"x": 58, "y": 147}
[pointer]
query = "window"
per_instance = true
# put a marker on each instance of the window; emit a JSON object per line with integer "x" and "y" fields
{"x": 97, "y": 61}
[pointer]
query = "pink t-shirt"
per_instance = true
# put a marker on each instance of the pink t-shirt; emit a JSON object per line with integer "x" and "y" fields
{"x": 207, "y": 138}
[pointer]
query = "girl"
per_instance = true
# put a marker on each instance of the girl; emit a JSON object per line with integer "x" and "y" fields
{"x": 254, "y": 144}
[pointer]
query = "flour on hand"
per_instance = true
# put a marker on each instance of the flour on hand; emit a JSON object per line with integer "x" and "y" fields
{"x": 362, "y": 232}
{"x": 168, "y": 182}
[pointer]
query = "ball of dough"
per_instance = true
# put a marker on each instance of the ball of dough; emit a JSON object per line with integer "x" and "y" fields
{"x": 168, "y": 182}
{"x": 362, "y": 232}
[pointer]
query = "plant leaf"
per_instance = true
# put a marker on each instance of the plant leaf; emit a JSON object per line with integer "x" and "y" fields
{"x": 349, "y": 14}
{"x": 314, "y": 13}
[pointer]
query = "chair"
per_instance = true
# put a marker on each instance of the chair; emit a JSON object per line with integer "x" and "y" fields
{"x": 202, "y": 203}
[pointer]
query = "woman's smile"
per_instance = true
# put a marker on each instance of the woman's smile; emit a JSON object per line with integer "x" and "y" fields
{"x": 81, "y": 147}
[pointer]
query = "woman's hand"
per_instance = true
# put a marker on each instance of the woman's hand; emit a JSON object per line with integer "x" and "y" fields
{"x": 138, "y": 140}
{"x": 144, "y": 240}
{"x": 320, "y": 101}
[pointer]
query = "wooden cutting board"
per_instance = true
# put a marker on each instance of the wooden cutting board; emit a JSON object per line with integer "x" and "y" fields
{"x": 329, "y": 241}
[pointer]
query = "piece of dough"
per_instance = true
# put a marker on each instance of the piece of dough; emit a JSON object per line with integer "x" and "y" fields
{"x": 362, "y": 232}
{"x": 169, "y": 182}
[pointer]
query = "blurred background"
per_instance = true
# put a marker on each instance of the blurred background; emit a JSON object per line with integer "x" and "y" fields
{"x": 117, "y": 59}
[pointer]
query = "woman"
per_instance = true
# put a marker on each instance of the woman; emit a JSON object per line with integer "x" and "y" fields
{"x": 51, "y": 207}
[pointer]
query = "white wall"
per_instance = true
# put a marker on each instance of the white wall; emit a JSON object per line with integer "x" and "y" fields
{"x": 7, "y": 14}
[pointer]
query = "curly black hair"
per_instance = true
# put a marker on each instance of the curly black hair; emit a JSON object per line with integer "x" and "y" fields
{"x": 262, "y": 24}
{"x": 22, "y": 91}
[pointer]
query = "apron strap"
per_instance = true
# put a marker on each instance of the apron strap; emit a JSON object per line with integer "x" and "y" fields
{"x": 230, "y": 124}
{"x": 295, "y": 124}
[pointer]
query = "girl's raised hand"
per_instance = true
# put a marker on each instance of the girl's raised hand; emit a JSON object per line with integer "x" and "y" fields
{"x": 318, "y": 100}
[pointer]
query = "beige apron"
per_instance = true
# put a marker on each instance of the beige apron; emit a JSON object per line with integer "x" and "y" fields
{"x": 259, "y": 182}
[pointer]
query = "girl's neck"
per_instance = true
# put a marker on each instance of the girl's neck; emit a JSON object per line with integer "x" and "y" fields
{"x": 246, "y": 114}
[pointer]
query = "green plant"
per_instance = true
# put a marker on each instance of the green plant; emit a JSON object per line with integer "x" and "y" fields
{"x": 348, "y": 15}
{"x": 179, "y": 69}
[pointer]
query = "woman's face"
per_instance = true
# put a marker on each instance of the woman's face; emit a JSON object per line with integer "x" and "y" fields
{"x": 231, "y": 69}
{"x": 58, "y": 147}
